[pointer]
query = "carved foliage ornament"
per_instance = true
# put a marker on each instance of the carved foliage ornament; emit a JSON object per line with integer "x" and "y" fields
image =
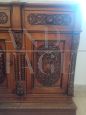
{"x": 18, "y": 39}
{"x": 3, "y": 18}
{"x": 49, "y": 19}
{"x": 48, "y": 65}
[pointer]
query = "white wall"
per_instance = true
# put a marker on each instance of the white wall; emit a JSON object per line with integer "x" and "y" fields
{"x": 80, "y": 74}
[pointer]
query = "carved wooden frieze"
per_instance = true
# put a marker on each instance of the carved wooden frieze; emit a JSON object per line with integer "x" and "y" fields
{"x": 49, "y": 19}
{"x": 3, "y": 18}
{"x": 2, "y": 62}
{"x": 48, "y": 65}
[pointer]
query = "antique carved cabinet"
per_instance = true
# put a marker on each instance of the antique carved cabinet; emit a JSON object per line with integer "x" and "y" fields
{"x": 38, "y": 49}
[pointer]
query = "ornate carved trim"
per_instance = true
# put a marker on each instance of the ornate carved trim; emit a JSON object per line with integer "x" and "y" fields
{"x": 49, "y": 19}
{"x": 75, "y": 43}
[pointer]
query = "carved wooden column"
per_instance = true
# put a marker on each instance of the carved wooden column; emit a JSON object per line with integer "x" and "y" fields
{"x": 75, "y": 44}
{"x": 19, "y": 57}
{"x": 19, "y": 64}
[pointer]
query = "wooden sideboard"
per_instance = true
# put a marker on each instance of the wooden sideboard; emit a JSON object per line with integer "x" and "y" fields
{"x": 38, "y": 49}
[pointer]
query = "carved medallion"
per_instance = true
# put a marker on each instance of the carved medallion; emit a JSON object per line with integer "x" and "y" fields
{"x": 48, "y": 65}
{"x": 49, "y": 19}
{"x": 3, "y": 18}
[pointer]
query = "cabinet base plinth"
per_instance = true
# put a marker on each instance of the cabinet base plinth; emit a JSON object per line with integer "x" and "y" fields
{"x": 58, "y": 108}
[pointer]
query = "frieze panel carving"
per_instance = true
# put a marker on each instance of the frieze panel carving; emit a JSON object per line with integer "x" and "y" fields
{"x": 48, "y": 64}
{"x": 3, "y": 18}
{"x": 49, "y": 19}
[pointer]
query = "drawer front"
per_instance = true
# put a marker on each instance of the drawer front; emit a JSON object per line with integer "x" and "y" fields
{"x": 48, "y": 20}
{"x": 5, "y": 15}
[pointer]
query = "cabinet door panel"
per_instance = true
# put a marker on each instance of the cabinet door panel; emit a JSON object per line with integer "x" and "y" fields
{"x": 50, "y": 62}
{"x": 47, "y": 66}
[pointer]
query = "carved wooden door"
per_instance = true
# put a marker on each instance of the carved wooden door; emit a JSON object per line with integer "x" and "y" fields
{"x": 50, "y": 63}
{"x": 6, "y": 65}
{"x": 12, "y": 64}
